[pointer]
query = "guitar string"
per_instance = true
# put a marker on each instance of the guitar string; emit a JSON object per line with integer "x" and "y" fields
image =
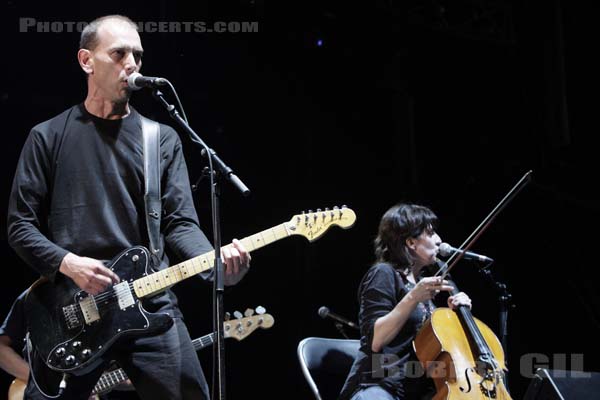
{"x": 102, "y": 296}
{"x": 117, "y": 291}
{"x": 185, "y": 274}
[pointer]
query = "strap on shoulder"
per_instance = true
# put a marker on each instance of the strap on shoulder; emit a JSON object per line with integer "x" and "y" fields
{"x": 151, "y": 138}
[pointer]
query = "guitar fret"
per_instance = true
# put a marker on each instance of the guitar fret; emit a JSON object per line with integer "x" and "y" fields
{"x": 281, "y": 232}
{"x": 191, "y": 267}
{"x": 150, "y": 282}
{"x": 271, "y": 235}
{"x": 197, "y": 266}
{"x": 248, "y": 243}
{"x": 177, "y": 273}
{"x": 162, "y": 279}
{"x": 258, "y": 240}
{"x": 188, "y": 271}
{"x": 158, "y": 281}
{"x": 167, "y": 277}
{"x": 207, "y": 261}
{"x": 268, "y": 236}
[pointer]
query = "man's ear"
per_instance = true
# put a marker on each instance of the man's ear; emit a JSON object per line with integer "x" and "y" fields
{"x": 410, "y": 243}
{"x": 84, "y": 56}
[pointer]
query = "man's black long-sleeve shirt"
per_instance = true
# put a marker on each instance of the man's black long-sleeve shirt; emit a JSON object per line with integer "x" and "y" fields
{"x": 79, "y": 187}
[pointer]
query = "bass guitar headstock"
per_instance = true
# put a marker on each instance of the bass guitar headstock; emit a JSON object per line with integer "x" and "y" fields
{"x": 243, "y": 326}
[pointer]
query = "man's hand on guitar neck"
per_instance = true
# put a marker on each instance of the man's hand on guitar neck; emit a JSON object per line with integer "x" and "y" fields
{"x": 237, "y": 262}
{"x": 88, "y": 273}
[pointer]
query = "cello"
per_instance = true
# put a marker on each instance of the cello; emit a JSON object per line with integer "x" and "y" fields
{"x": 462, "y": 356}
{"x": 460, "y": 353}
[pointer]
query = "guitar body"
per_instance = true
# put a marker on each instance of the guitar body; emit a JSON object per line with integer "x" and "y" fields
{"x": 71, "y": 330}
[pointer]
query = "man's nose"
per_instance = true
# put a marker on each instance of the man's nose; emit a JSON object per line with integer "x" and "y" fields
{"x": 130, "y": 64}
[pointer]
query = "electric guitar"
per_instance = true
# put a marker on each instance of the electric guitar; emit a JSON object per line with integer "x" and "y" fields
{"x": 71, "y": 329}
{"x": 236, "y": 328}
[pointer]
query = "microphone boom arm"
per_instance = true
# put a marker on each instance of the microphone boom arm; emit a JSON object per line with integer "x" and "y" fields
{"x": 222, "y": 168}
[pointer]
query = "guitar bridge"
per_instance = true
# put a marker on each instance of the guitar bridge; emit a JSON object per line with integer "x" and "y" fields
{"x": 71, "y": 318}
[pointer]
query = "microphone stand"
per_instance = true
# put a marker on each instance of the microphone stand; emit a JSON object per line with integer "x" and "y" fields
{"x": 222, "y": 170}
{"x": 505, "y": 300}
{"x": 341, "y": 329}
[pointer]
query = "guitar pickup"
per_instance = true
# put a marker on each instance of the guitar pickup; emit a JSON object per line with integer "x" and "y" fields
{"x": 89, "y": 310}
{"x": 124, "y": 296}
{"x": 71, "y": 317}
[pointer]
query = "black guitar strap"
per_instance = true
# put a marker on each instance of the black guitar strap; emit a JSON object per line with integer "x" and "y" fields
{"x": 151, "y": 134}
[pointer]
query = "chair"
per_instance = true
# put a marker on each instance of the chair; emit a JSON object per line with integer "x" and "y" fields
{"x": 325, "y": 364}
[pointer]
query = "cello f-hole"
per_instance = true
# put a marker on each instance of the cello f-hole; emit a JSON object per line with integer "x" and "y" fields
{"x": 462, "y": 389}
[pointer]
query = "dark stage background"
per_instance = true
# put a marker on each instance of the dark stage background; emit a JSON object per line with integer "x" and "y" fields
{"x": 445, "y": 103}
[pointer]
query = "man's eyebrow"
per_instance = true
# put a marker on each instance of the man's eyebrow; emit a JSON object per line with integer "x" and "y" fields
{"x": 136, "y": 50}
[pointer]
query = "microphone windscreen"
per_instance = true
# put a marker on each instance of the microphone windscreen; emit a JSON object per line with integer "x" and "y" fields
{"x": 131, "y": 81}
{"x": 323, "y": 311}
{"x": 446, "y": 250}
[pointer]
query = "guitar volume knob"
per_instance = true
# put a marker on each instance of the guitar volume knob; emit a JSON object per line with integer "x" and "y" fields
{"x": 86, "y": 353}
{"x": 60, "y": 352}
{"x": 70, "y": 360}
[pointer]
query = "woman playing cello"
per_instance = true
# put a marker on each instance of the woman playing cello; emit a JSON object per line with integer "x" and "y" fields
{"x": 395, "y": 301}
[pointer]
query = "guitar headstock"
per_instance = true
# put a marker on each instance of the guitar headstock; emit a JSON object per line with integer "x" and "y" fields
{"x": 312, "y": 225}
{"x": 240, "y": 328}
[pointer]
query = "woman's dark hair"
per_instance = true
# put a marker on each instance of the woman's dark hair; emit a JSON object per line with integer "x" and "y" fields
{"x": 399, "y": 223}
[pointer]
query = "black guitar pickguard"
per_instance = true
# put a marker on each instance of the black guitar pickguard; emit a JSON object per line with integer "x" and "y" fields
{"x": 72, "y": 330}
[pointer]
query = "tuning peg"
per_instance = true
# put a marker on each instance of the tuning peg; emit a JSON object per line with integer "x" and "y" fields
{"x": 237, "y": 314}
{"x": 227, "y": 316}
{"x": 260, "y": 310}
{"x": 249, "y": 312}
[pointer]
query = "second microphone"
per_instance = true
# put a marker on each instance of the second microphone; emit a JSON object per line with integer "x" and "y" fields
{"x": 325, "y": 313}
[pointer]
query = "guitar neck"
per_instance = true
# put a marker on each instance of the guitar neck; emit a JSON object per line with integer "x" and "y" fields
{"x": 163, "y": 279}
{"x": 204, "y": 341}
{"x": 109, "y": 380}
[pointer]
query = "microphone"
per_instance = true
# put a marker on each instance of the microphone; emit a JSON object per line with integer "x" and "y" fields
{"x": 325, "y": 313}
{"x": 136, "y": 81}
{"x": 447, "y": 250}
